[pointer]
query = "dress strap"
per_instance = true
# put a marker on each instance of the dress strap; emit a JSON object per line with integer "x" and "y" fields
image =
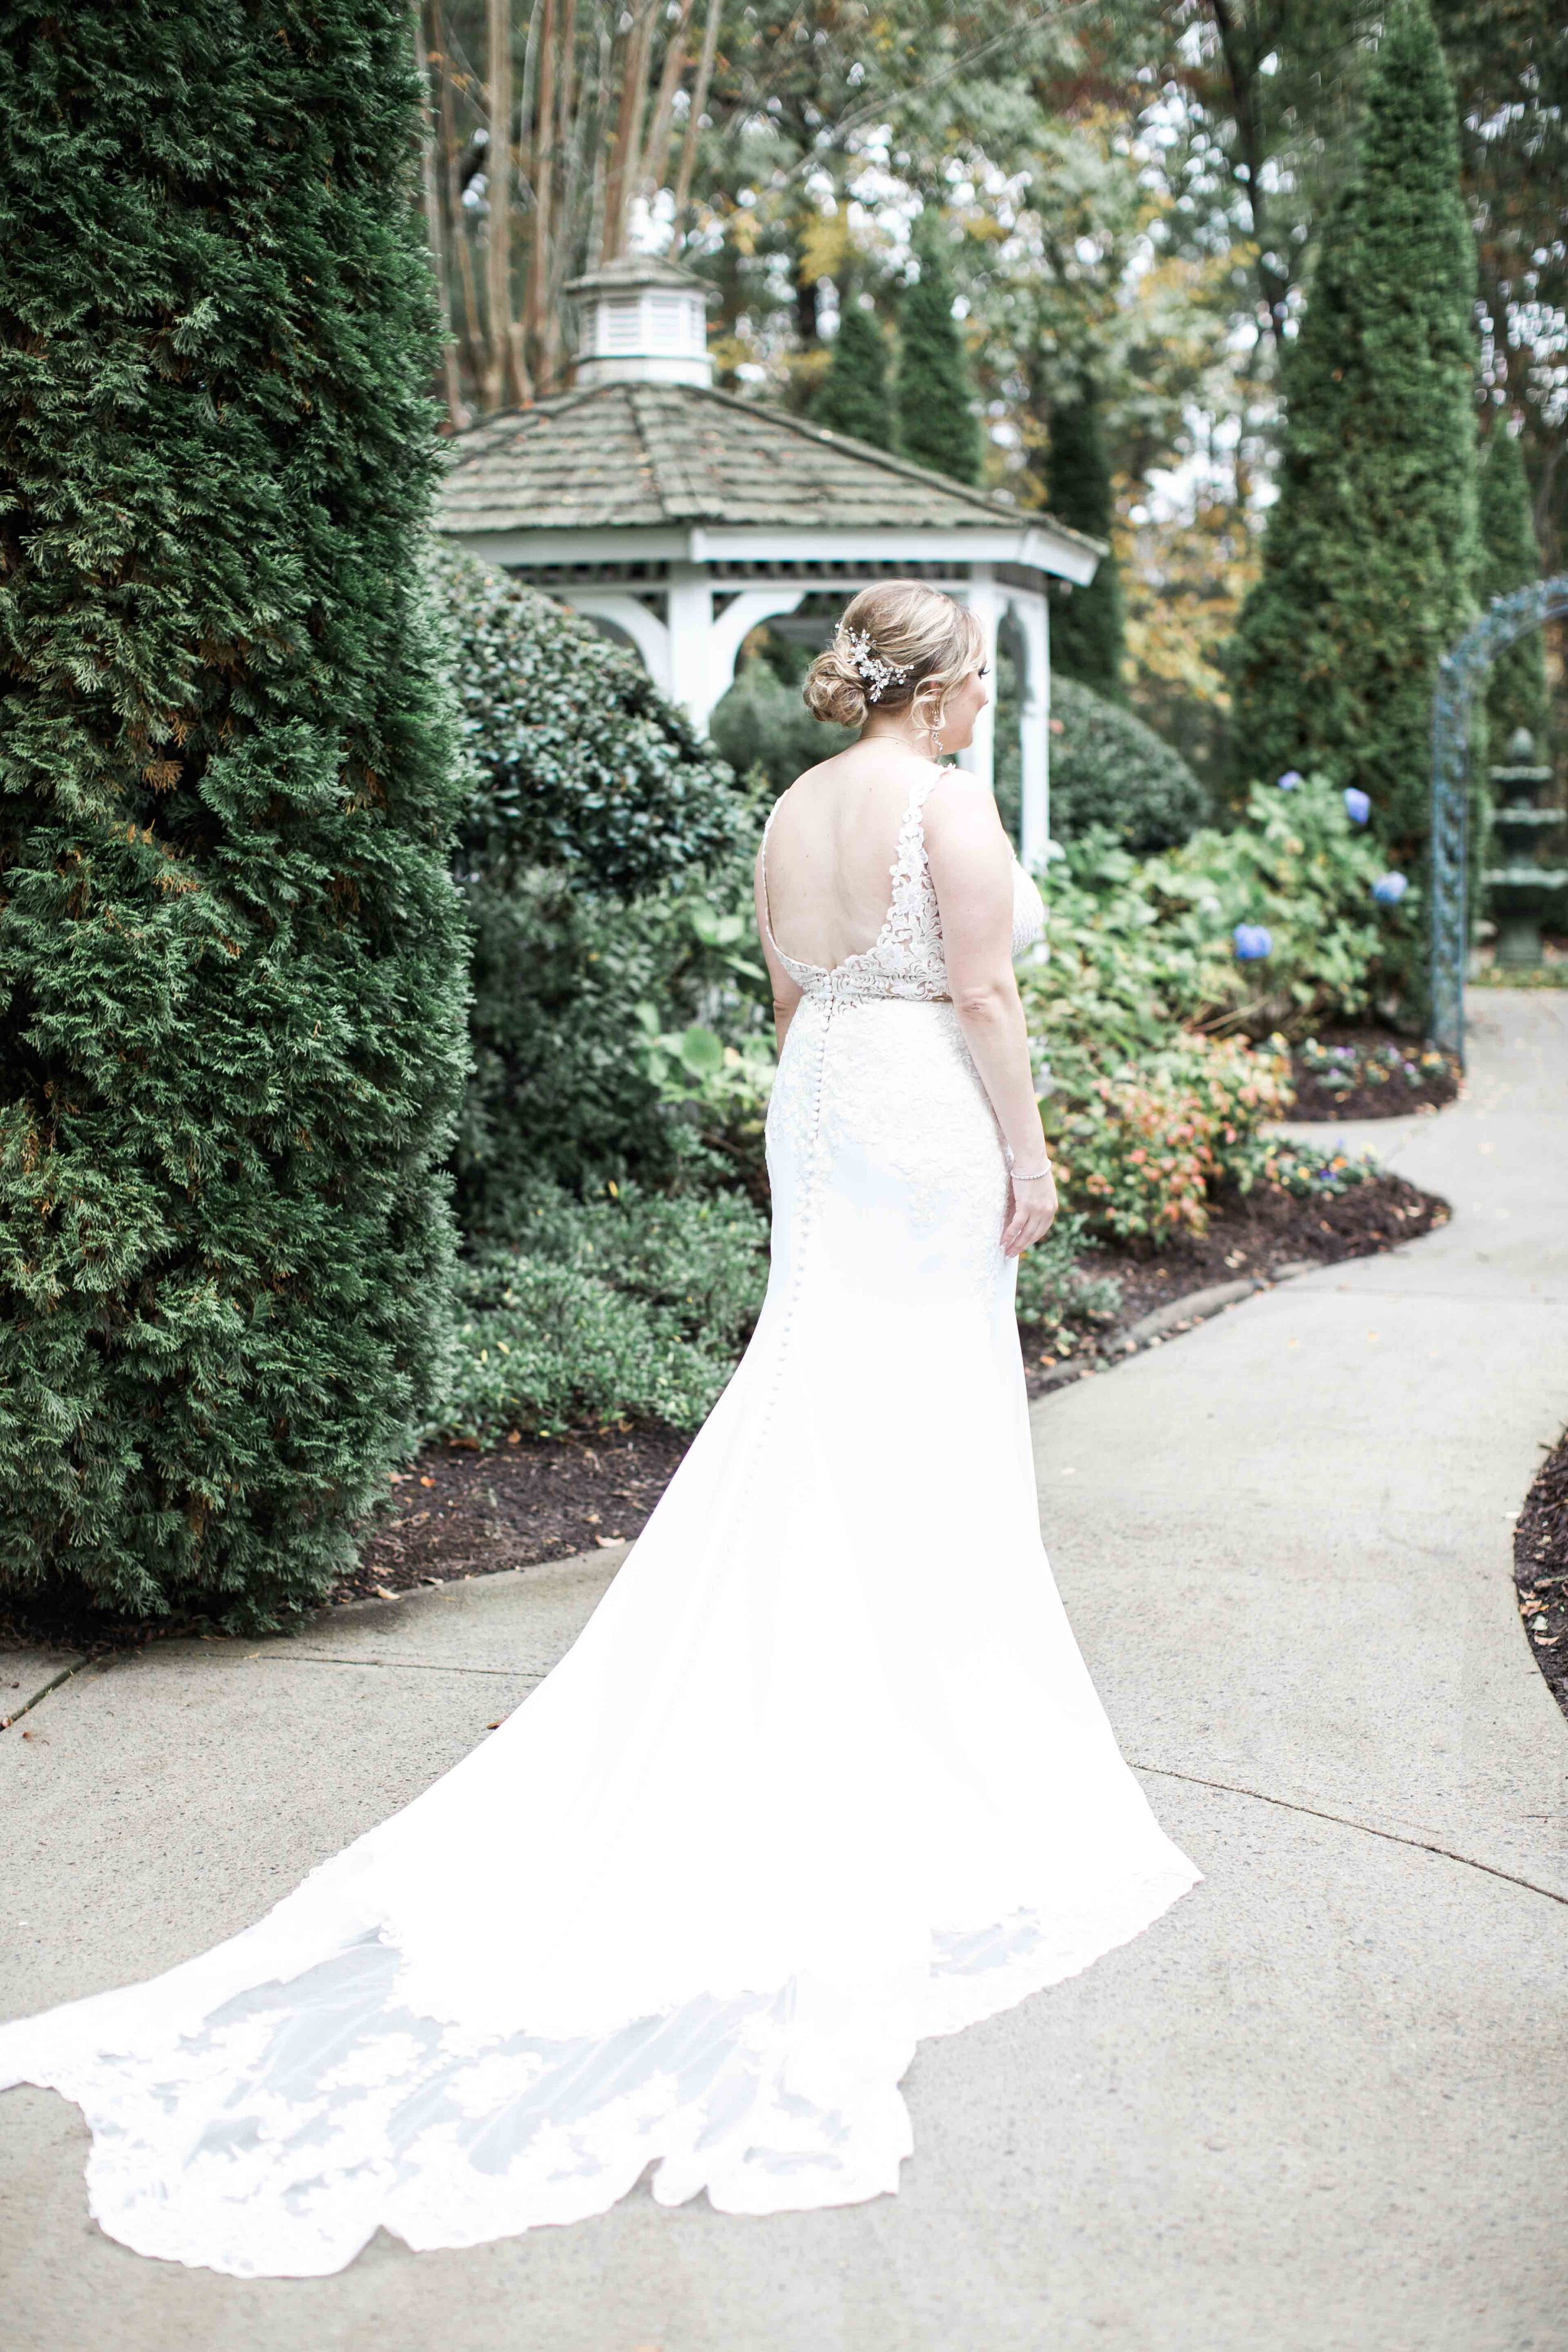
{"x": 911, "y": 871}
{"x": 913, "y": 827}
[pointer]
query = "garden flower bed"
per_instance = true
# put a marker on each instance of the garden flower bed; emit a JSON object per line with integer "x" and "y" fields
{"x": 1369, "y": 1073}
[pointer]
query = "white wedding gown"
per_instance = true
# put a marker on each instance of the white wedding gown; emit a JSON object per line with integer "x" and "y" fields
{"x": 823, "y": 1774}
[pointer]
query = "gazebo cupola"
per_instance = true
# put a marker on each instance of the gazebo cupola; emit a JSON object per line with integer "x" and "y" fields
{"x": 640, "y": 320}
{"x": 677, "y": 516}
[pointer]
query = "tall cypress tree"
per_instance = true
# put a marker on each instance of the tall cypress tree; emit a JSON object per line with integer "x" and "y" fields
{"x": 1371, "y": 553}
{"x": 1088, "y": 624}
{"x": 1516, "y": 691}
{"x": 853, "y": 395}
{"x": 230, "y": 945}
{"x": 934, "y": 398}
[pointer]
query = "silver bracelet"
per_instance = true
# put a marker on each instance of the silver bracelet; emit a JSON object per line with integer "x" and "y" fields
{"x": 1039, "y": 1177}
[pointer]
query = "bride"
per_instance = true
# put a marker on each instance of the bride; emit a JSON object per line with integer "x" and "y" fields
{"x": 823, "y": 1774}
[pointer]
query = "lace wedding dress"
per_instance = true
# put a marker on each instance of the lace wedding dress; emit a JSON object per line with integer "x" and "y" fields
{"x": 823, "y": 1774}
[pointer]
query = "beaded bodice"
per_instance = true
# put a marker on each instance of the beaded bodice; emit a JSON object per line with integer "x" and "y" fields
{"x": 906, "y": 958}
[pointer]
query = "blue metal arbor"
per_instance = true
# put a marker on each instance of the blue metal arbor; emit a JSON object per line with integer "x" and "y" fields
{"x": 1460, "y": 675}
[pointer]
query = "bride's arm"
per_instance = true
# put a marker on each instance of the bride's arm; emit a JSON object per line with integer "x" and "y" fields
{"x": 786, "y": 994}
{"x": 972, "y": 870}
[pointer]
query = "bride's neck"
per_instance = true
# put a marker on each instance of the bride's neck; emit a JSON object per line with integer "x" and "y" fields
{"x": 895, "y": 729}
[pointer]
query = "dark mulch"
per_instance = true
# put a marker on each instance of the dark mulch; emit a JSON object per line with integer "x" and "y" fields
{"x": 550, "y": 1499}
{"x": 458, "y": 1511}
{"x": 1540, "y": 1568}
{"x": 1391, "y": 1097}
{"x": 1256, "y": 1233}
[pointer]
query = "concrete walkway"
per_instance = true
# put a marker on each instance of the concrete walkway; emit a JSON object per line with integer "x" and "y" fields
{"x": 1320, "y": 2106}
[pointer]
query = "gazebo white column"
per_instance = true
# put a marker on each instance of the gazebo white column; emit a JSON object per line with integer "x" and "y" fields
{"x": 1035, "y": 816}
{"x": 987, "y": 603}
{"x": 689, "y": 618}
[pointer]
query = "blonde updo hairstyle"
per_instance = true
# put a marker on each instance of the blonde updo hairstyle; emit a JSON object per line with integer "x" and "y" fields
{"x": 910, "y": 626}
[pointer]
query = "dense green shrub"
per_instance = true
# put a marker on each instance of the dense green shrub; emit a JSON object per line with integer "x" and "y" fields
{"x": 1088, "y": 624}
{"x": 545, "y": 1348}
{"x": 560, "y": 1085}
{"x": 1299, "y": 869}
{"x": 583, "y": 765}
{"x": 1370, "y": 554}
{"x": 1060, "y": 1300}
{"x": 229, "y": 944}
{"x": 590, "y": 793}
{"x": 933, "y": 393}
{"x": 853, "y": 397}
{"x": 1108, "y": 768}
{"x": 625, "y": 1307}
{"x": 630, "y": 1306}
{"x": 721, "y": 1085}
{"x": 1151, "y": 1107}
{"x": 763, "y": 729}
{"x": 1139, "y": 948}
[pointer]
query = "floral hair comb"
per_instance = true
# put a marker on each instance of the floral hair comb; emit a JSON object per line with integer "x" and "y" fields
{"x": 878, "y": 674}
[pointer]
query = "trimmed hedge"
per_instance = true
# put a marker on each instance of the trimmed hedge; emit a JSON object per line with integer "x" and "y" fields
{"x": 1108, "y": 768}
{"x": 581, "y": 765}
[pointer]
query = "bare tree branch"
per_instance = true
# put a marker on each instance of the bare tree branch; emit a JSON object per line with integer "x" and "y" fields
{"x": 1243, "y": 64}
{"x": 698, "y": 100}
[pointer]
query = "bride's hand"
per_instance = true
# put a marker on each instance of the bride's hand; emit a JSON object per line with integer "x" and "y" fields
{"x": 1032, "y": 1214}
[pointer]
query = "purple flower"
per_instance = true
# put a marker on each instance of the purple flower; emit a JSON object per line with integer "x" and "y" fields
{"x": 1389, "y": 888}
{"x": 1290, "y": 780}
{"x": 1252, "y": 942}
{"x": 1358, "y": 808}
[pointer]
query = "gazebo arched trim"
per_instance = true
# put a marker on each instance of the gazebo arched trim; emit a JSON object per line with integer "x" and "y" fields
{"x": 1460, "y": 674}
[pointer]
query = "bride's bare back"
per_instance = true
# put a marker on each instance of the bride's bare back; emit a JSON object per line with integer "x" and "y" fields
{"x": 831, "y": 850}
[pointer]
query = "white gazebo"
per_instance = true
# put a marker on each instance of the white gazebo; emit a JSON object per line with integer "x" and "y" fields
{"x": 677, "y": 517}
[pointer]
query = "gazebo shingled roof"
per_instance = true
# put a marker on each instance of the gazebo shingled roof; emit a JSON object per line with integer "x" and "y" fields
{"x": 631, "y": 455}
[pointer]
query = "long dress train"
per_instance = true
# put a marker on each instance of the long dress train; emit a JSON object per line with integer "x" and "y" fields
{"x": 824, "y": 1772}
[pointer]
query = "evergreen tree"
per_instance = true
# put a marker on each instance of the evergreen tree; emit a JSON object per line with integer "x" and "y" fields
{"x": 934, "y": 398}
{"x": 853, "y": 395}
{"x": 1371, "y": 551}
{"x": 1088, "y": 624}
{"x": 1516, "y": 691}
{"x": 230, "y": 944}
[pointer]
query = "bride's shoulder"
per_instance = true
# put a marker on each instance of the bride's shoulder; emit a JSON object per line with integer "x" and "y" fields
{"x": 958, "y": 800}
